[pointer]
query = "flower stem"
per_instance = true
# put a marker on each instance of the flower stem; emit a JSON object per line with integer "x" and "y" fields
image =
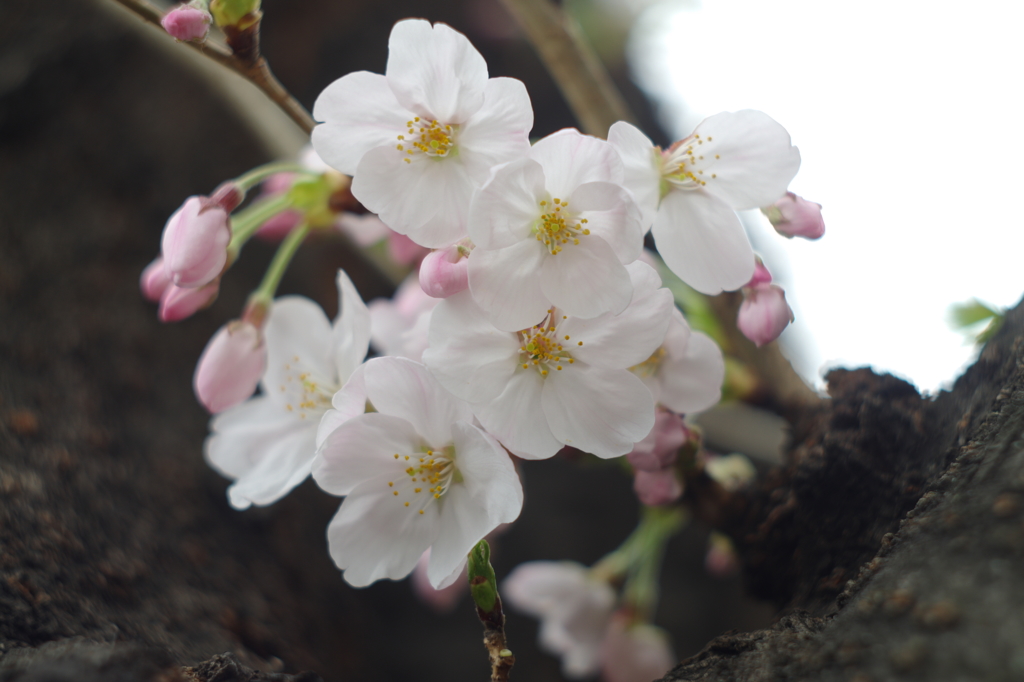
{"x": 247, "y": 180}
{"x": 656, "y": 528}
{"x": 245, "y": 223}
{"x": 282, "y": 259}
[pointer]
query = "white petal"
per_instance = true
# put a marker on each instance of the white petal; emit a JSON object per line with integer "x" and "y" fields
{"x": 300, "y": 356}
{"x": 468, "y": 355}
{"x": 489, "y": 496}
{"x": 703, "y": 242}
{"x": 586, "y": 279}
{"x": 359, "y": 112}
{"x": 499, "y": 131}
{"x": 351, "y": 329}
{"x": 571, "y": 159}
{"x": 504, "y": 210}
{"x": 266, "y": 449}
{"x": 693, "y": 382}
{"x": 629, "y": 338}
{"x": 374, "y": 536}
{"x": 505, "y": 283}
{"x": 426, "y": 199}
{"x": 405, "y": 389}
{"x": 517, "y": 419}
{"x": 642, "y": 165}
{"x": 757, "y": 162}
{"x": 435, "y": 72}
{"x": 349, "y": 402}
{"x": 603, "y": 412}
{"x": 612, "y": 215}
{"x": 364, "y": 448}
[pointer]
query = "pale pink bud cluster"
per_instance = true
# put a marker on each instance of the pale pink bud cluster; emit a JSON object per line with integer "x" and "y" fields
{"x": 187, "y": 23}
{"x": 176, "y": 303}
{"x": 231, "y": 366}
{"x": 445, "y": 272}
{"x": 656, "y": 482}
{"x": 794, "y": 216}
{"x": 764, "y": 313}
{"x": 195, "y": 241}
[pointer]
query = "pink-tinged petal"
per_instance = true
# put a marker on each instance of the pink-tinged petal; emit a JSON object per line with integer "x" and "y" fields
{"x": 693, "y": 382}
{"x": 351, "y": 329}
{"x": 489, "y": 495}
{"x": 506, "y": 284}
{"x": 757, "y": 158}
{"x": 603, "y": 412}
{"x": 703, "y": 242}
{"x": 405, "y": 251}
{"x": 405, "y": 389}
{"x": 571, "y": 159}
{"x": 426, "y": 198}
{"x": 373, "y": 536}
{"x": 761, "y": 274}
{"x": 230, "y": 367}
{"x": 500, "y": 130}
{"x": 194, "y": 243}
{"x": 586, "y": 279}
{"x": 177, "y": 303}
{"x": 349, "y": 402}
{"x": 435, "y": 72}
{"x": 365, "y": 230}
{"x": 764, "y": 313}
{"x": 517, "y": 419}
{"x": 300, "y": 357}
{"x": 154, "y": 280}
{"x": 635, "y": 653}
{"x": 612, "y": 215}
{"x": 359, "y": 112}
{"x": 187, "y": 23}
{"x": 504, "y": 210}
{"x": 642, "y": 165}
{"x": 467, "y": 354}
{"x": 364, "y": 448}
{"x": 444, "y": 272}
{"x": 629, "y": 338}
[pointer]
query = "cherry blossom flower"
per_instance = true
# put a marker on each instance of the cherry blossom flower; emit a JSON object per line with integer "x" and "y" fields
{"x": 398, "y": 326}
{"x": 419, "y": 139}
{"x": 267, "y": 443}
{"x": 556, "y": 228}
{"x": 634, "y": 652}
{"x": 685, "y": 373}
{"x": 230, "y": 367}
{"x": 563, "y": 381}
{"x": 690, "y": 192}
{"x": 416, "y": 474}
{"x": 575, "y": 608}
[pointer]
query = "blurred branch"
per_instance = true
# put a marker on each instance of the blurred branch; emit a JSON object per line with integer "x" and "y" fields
{"x": 577, "y": 71}
{"x": 255, "y": 70}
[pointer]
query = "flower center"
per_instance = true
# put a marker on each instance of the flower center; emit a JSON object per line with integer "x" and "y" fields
{"x": 542, "y": 347}
{"x": 684, "y": 165}
{"x": 433, "y": 139}
{"x": 649, "y": 367}
{"x": 556, "y": 227}
{"x": 304, "y": 395}
{"x": 427, "y": 477}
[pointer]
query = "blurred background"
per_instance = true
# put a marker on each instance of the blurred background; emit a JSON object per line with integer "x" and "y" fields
{"x": 905, "y": 114}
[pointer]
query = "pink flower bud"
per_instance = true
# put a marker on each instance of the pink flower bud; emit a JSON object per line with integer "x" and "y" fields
{"x": 764, "y": 313}
{"x": 444, "y": 272}
{"x": 443, "y": 600}
{"x": 655, "y": 488}
{"x": 634, "y": 652}
{"x": 195, "y": 241}
{"x": 230, "y": 367}
{"x": 794, "y": 216}
{"x": 658, "y": 450}
{"x": 761, "y": 274}
{"x": 405, "y": 251}
{"x": 187, "y": 23}
{"x": 177, "y": 303}
{"x": 154, "y": 280}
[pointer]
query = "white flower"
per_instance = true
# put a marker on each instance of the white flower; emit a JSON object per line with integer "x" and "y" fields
{"x": 419, "y": 139}
{"x": 564, "y": 381}
{"x": 556, "y": 228}
{"x": 574, "y": 606}
{"x": 398, "y": 326}
{"x": 267, "y": 443}
{"x": 416, "y": 474}
{"x": 733, "y": 161}
{"x": 685, "y": 373}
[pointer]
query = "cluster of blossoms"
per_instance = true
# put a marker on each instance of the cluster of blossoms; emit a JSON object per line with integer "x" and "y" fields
{"x": 535, "y": 321}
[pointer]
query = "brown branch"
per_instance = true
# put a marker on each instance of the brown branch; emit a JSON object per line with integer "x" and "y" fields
{"x": 502, "y": 659}
{"x": 577, "y": 71}
{"x": 254, "y": 69}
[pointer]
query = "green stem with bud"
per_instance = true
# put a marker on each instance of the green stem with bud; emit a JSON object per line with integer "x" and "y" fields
{"x": 246, "y": 223}
{"x": 484, "y": 588}
{"x": 276, "y": 270}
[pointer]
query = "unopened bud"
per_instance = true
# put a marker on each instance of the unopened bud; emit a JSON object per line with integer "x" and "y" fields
{"x": 238, "y": 13}
{"x": 482, "y": 583}
{"x": 154, "y": 280}
{"x": 761, "y": 274}
{"x": 195, "y": 241}
{"x": 444, "y": 272}
{"x": 794, "y": 216}
{"x": 177, "y": 303}
{"x": 659, "y": 449}
{"x": 230, "y": 367}
{"x": 764, "y": 313}
{"x": 187, "y": 23}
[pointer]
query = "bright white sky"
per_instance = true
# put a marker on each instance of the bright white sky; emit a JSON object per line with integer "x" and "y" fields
{"x": 909, "y": 116}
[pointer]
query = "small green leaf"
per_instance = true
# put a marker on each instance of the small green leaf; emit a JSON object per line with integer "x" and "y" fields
{"x": 482, "y": 583}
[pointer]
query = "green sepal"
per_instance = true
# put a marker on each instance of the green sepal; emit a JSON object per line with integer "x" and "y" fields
{"x": 232, "y": 12}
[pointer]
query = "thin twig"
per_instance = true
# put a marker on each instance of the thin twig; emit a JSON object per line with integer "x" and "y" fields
{"x": 258, "y": 72}
{"x": 502, "y": 659}
{"x": 580, "y": 76}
